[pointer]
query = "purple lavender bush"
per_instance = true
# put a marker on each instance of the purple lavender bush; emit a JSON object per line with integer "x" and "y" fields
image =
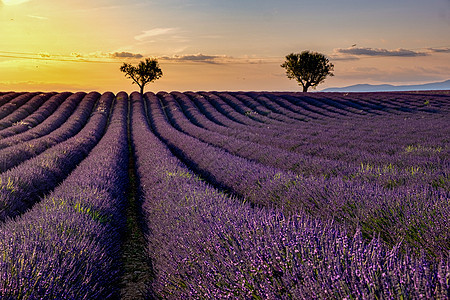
{"x": 206, "y": 245}
{"x": 68, "y": 245}
{"x": 22, "y": 186}
{"x": 35, "y": 116}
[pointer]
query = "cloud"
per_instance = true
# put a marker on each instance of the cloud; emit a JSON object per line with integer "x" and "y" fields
{"x": 211, "y": 59}
{"x": 37, "y": 17}
{"x": 153, "y": 32}
{"x": 343, "y": 58}
{"x": 100, "y": 54}
{"x": 358, "y": 51}
{"x": 125, "y": 55}
{"x": 439, "y": 50}
{"x": 13, "y": 2}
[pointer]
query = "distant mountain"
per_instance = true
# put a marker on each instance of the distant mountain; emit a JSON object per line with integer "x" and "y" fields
{"x": 445, "y": 85}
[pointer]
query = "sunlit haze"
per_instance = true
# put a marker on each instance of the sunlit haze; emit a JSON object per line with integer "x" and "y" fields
{"x": 219, "y": 45}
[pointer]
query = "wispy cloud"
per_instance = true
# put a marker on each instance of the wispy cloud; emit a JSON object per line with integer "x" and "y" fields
{"x": 37, "y": 17}
{"x": 154, "y": 32}
{"x": 100, "y": 54}
{"x": 362, "y": 51}
{"x": 13, "y": 2}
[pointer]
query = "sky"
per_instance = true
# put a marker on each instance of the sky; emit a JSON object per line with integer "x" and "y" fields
{"x": 63, "y": 45}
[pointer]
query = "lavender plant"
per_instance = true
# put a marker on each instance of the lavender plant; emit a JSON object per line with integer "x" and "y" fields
{"x": 204, "y": 244}
{"x": 16, "y": 154}
{"x": 22, "y": 186}
{"x": 36, "y": 106}
{"x": 68, "y": 245}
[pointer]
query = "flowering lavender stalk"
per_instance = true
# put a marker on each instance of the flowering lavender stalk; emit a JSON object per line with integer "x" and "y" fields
{"x": 68, "y": 245}
{"x": 204, "y": 244}
{"x": 395, "y": 215}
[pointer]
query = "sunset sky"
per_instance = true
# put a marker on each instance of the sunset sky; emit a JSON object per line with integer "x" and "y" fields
{"x": 219, "y": 45}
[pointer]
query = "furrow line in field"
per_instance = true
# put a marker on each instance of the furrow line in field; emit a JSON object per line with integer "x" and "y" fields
{"x": 4, "y": 99}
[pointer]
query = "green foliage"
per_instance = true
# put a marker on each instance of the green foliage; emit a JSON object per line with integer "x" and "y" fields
{"x": 144, "y": 73}
{"x": 308, "y": 68}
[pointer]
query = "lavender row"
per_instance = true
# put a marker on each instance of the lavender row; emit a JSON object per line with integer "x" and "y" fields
{"x": 404, "y": 102}
{"x": 52, "y": 102}
{"x": 391, "y": 102}
{"x": 14, "y": 155}
{"x": 68, "y": 245}
{"x": 22, "y": 186}
{"x": 204, "y": 244}
{"x": 15, "y": 103}
{"x": 242, "y": 108}
{"x": 277, "y": 108}
{"x": 260, "y": 106}
{"x": 391, "y": 162}
{"x": 323, "y": 109}
{"x": 25, "y": 110}
{"x": 394, "y": 214}
{"x": 4, "y": 99}
{"x": 318, "y": 140}
{"x": 264, "y": 152}
{"x": 45, "y": 126}
{"x": 217, "y": 111}
{"x": 335, "y": 120}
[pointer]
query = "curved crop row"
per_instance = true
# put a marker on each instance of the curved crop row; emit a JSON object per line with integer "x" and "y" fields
{"x": 395, "y": 215}
{"x": 51, "y": 103}
{"x": 14, "y": 155}
{"x": 14, "y": 104}
{"x": 277, "y": 158}
{"x": 22, "y": 186}
{"x": 204, "y": 244}
{"x": 68, "y": 245}
{"x": 47, "y": 125}
{"x": 318, "y": 156}
{"x": 4, "y": 99}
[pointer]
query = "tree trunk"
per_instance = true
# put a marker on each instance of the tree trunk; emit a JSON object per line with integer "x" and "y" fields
{"x": 142, "y": 90}
{"x": 306, "y": 86}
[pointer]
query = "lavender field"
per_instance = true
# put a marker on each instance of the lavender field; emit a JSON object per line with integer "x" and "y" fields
{"x": 237, "y": 195}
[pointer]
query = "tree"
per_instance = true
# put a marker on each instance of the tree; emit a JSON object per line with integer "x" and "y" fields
{"x": 308, "y": 68}
{"x": 144, "y": 73}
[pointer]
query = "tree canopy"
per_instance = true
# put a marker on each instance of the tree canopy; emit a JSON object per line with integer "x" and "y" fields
{"x": 308, "y": 68}
{"x": 145, "y": 72}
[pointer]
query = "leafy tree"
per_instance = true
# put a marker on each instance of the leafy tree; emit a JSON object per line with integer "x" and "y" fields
{"x": 144, "y": 73}
{"x": 308, "y": 68}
